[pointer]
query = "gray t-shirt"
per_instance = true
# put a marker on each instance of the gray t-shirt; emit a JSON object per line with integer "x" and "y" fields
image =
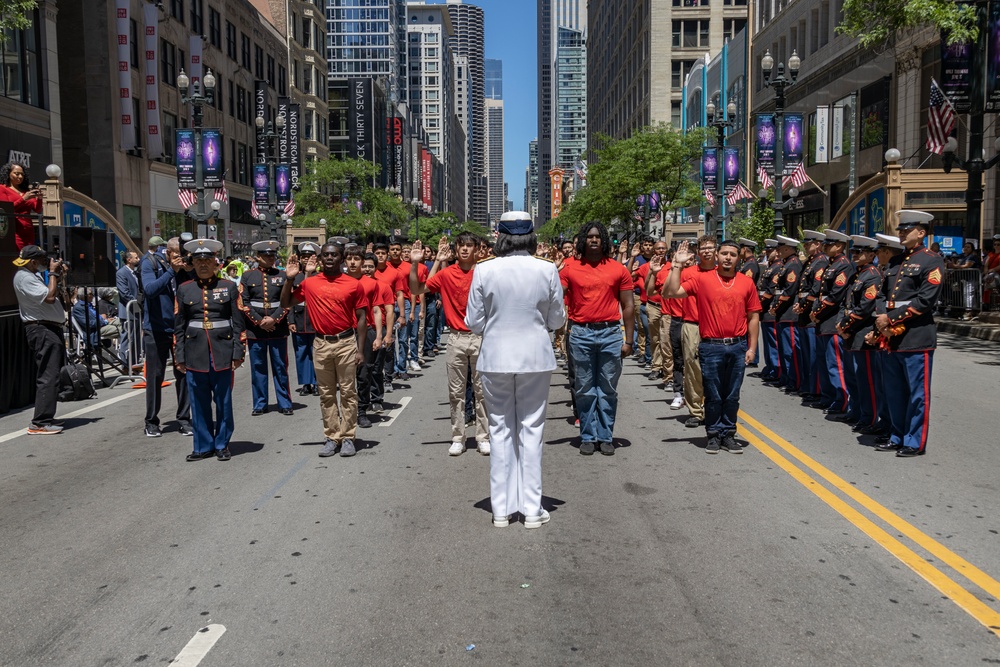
{"x": 31, "y": 292}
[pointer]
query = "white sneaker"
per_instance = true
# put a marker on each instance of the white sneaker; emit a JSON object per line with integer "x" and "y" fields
{"x": 677, "y": 403}
{"x": 536, "y": 521}
{"x": 501, "y": 521}
{"x": 456, "y": 449}
{"x": 414, "y": 366}
{"x": 483, "y": 447}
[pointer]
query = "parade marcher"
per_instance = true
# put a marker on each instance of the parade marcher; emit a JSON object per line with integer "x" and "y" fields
{"x": 906, "y": 323}
{"x": 24, "y": 197}
{"x": 728, "y": 312}
{"x": 336, "y": 304}
{"x": 266, "y": 328}
{"x": 674, "y": 309}
{"x": 42, "y": 315}
{"x": 354, "y": 257}
{"x": 862, "y": 373}
{"x": 750, "y": 268}
{"x": 890, "y": 257}
{"x": 640, "y": 254}
{"x": 825, "y": 313}
{"x": 383, "y": 337}
{"x": 786, "y": 291}
{"x": 694, "y": 390}
{"x": 600, "y": 295}
{"x": 301, "y": 329}
{"x": 809, "y": 289}
{"x": 407, "y": 359}
{"x": 768, "y": 325}
{"x": 657, "y": 321}
{"x": 158, "y": 270}
{"x": 208, "y": 346}
{"x": 385, "y": 272}
{"x": 128, "y": 290}
{"x": 514, "y": 301}
{"x": 464, "y": 346}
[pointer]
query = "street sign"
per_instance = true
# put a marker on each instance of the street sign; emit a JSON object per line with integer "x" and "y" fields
{"x": 229, "y": 234}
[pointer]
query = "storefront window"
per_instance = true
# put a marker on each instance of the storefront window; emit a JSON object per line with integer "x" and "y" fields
{"x": 171, "y": 224}
{"x": 20, "y": 64}
{"x": 132, "y": 222}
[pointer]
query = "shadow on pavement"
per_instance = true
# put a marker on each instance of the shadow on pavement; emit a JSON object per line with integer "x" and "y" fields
{"x": 244, "y": 447}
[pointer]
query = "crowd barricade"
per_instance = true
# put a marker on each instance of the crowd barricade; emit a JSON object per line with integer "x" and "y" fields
{"x": 135, "y": 355}
{"x": 962, "y": 290}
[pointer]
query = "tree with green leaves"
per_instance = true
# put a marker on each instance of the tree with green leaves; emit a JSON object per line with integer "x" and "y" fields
{"x": 755, "y": 224}
{"x": 654, "y": 159}
{"x": 15, "y": 15}
{"x": 877, "y": 23}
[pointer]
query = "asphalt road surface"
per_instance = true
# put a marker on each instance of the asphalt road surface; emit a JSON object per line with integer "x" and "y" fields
{"x": 809, "y": 549}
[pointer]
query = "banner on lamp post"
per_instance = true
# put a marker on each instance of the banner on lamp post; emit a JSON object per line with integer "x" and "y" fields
{"x": 123, "y": 25}
{"x": 283, "y": 103}
{"x": 184, "y": 150}
{"x": 283, "y": 184}
{"x": 709, "y": 169}
{"x": 993, "y": 57}
{"x": 361, "y": 123}
{"x": 154, "y": 140}
{"x": 426, "y": 172}
{"x": 822, "y": 134}
{"x": 766, "y": 140}
{"x": 261, "y": 184}
{"x": 731, "y": 169}
{"x": 294, "y": 149}
{"x": 211, "y": 158}
{"x": 956, "y": 64}
{"x": 793, "y": 143}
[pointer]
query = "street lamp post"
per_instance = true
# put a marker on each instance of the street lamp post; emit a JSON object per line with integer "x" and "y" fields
{"x": 197, "y": 100}
{"x": 269, "y": 216}
{"x": 418, "y": 206}
{"x": 721, "y": 122}
{"x": 975, "y": 167}
{"x": 779, "y": 82}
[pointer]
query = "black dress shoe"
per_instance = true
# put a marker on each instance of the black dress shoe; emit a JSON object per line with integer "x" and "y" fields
{"x": 755, "y": 374}
{"x": 223, "y": 454}
{"x": 909, "y": 452}
{"x": 882, "y": 439}
{"x": 887, "y": 447}
{"x": 694, "y": 422}
{"x": 840, "y": 417}
{"x": 256, "y": 412}
{"x": 315, "y": 390}
{"x": 304, "y": 390}
{"x": 198, "y": 456}
{"x": 287, "y": 411}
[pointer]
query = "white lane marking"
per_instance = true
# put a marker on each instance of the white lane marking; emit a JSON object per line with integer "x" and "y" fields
{"x": 77, "y": 413}
{"x": 199, "y": 646}
{"x": 395, "y": 413}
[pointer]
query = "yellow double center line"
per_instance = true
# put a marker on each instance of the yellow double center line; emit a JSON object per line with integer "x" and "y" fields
{"x": 919, "y": 564}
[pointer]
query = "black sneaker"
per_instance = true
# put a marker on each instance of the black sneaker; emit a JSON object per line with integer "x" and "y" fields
{"x": 315, "y": 390}
{"x": 363, "y": 421}
{"x": 587, "y": 448}
{"x": 186, "y": 429}
{"x": 730, "y": 445}
{"x": 713, "y": 445}
{"x": 153, "y": 431}
{"x": 655, "y": 375}
{"x": 377, "y": 408}
{"x": 223, "y": 454}
{"x": 198, "y": 456}
{"x": 607, "y": 449}
{"x": 694, "y": 422}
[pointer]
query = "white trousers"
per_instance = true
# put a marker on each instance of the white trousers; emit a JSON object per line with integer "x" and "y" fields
{"x": 516, "y": 403}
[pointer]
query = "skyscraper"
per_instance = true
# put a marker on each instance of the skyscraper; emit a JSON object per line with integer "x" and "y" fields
{"x": 470, "y": 39}
{"x": 552, "y": 15}
{"x": 494, "y": 79}
{"x": 531, "y": 182}
{"x": 497, "y": 196}
{"x": 571, "y": 96}
{"x": 369, "y": 47}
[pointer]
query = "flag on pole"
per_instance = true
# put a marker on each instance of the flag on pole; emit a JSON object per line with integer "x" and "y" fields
{"x": 940, "y": 119}
{"x": 290, "y": 207}
{"x": 709, "y": 197}
{"x": 222, "y": 194}
{"x": 763, "y": 177}
{"x": 797, "y": 178}
{"x": 253, "y": 210}
{"x": 187, "y": 197}
{"x": 739, "y": 193}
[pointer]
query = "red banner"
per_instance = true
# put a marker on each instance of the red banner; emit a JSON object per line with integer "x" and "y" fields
{"x": 425, "y": 176}
{"x": 556, "y": 178}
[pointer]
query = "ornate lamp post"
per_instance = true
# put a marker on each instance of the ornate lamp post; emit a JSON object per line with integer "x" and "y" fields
{"x": 779, "y": 82}
{"x": 721, "y": 122}
{"x": 197, "y": 100}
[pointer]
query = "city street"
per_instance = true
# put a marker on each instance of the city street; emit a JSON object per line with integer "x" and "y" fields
{"x": 809, "y": 549}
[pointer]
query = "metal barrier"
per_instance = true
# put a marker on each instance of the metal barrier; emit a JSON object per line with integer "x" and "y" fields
{"x": 134, "y": 355}
{"x": 962, "y": 290}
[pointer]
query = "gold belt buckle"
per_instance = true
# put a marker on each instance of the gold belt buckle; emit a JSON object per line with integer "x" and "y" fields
{"x": 207, "y": 325}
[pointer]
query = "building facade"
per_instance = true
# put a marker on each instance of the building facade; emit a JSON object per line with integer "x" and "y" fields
{"x": 531, "y": 182}
{"x": 493, "y": 79}
{"x": 571, "y": 98}
{"x": 497, "y": 195}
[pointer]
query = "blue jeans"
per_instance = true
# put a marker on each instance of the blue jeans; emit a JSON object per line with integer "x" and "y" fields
{"x": 413, "y": 334}
{"x": 403, "y": 338}
{"x": 430, "y": 322}
{"x": 722, "y": 369}
{"x": 597, "y": 362}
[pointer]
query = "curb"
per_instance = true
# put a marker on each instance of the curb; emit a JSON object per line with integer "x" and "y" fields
{"x": 990, "y": 332}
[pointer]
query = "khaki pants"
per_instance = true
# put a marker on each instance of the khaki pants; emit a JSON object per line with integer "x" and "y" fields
{"x": 336, "y": 368}
{"x": 463, "y": 353}
{"x": 655, "y": 316}
{"x": 664, "y": 348}
{"x": 640, "y": 349}
{"x": 694, "y": 392}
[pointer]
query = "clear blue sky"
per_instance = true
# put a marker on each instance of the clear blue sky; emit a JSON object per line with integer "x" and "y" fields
{"x": 511, "y": 36}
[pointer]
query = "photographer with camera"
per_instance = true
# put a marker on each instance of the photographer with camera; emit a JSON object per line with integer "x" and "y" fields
{"x": 43, "y": 316}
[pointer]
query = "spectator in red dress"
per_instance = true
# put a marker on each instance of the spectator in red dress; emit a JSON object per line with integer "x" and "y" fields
{"x": 27, "y": 201}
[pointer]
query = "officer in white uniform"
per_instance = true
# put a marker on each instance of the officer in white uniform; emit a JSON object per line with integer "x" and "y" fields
{"x": 514, "y": 301}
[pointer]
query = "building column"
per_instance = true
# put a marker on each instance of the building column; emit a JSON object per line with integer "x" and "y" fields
{"x": 48, "y": 12}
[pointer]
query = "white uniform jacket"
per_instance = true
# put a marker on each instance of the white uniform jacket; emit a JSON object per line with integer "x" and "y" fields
{"x": 513, "y": 303}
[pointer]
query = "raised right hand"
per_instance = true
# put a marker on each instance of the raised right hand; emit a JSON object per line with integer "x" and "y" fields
{"x": 416, "y": 252}
{"x": 683, "y": 253}
{"x": 292, "y": 267}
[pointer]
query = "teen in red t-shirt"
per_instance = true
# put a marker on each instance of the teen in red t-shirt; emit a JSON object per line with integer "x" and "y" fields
{"x": 729, "y": 311}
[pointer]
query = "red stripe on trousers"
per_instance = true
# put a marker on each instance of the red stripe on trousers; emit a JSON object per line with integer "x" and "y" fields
{"x": 840, "y": 369}
{"x": 927, "y": 402}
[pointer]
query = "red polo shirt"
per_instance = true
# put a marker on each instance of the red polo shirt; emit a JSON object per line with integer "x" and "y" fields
{"x": 453, "y": 284}
{"x": 723, "y": 304}
{"x": 393, "y": 279}
{"x": 689, "y": 306}
{"x": 593, "y": 289}
{"x": 661, "y": 280}
{"x": 403, "y": 268}
{"x": 331, "y": 302}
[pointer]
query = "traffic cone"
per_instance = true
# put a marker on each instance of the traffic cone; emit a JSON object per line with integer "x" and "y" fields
{"x": 142, "y": 384}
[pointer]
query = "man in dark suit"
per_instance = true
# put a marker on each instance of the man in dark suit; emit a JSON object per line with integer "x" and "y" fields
{"x": 128, "y": 290}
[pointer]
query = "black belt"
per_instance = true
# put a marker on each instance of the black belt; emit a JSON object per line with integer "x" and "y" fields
{"x": 596, "y": 325}
{"x": 689, "y": 321}
{"x": 46, "y": 323}
{"x": 346, "y": 333}
{"x": 723, "y": 341}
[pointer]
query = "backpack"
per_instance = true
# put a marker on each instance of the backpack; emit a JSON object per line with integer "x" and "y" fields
{"x": 75, "y": 383}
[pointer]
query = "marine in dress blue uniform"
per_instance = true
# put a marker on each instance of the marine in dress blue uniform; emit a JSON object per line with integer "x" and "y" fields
{"x": 768, "y": 325}
{"x": 890, "y": 256}
{"x": 785, "y": 292}
{"x": 302, "y": 330}
{"x": 208, "y": 345}
{"x": 906, "y": 325}
{"x": 863, "y": 375}
{"x": 750, "y": 268}
{"x": 266, "y": 328}
{"x": 833, "y": 293}
{"x": 809, "y": 288}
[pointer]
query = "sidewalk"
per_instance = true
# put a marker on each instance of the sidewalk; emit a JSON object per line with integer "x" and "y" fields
{"x": 985, "y": 327}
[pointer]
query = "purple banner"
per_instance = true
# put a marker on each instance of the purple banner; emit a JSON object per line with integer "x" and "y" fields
{"x": 709, "y": 170}
{"x": 993, "y": 58}
{"x": 955, "y": 68}
{"x": 766, "y": 140}
{"x": 283, "y": 183}
{"x": 184, "y": 147}
{"x": 211, "y": 158}
{"x": 261, "y": 185}
{"x": 731, "y": 169}
{"x": 794, "y": 141}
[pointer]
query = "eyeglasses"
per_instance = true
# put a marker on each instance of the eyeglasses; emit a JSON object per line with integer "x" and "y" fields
{"x": 707, "y": 249}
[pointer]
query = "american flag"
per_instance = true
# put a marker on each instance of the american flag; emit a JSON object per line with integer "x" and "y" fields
{"x": 709, "y": 197}
{"x": 253, "y": 210}
{"x": 290, "y": 207}
{"x": 940, "y": 119}
{"x": 763, "y": 177}
{"x": 187, "y": 197}
{"x": 222, "y": 194}
{"x": 797, "y": 178}
{"x": 739, "y": 193}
